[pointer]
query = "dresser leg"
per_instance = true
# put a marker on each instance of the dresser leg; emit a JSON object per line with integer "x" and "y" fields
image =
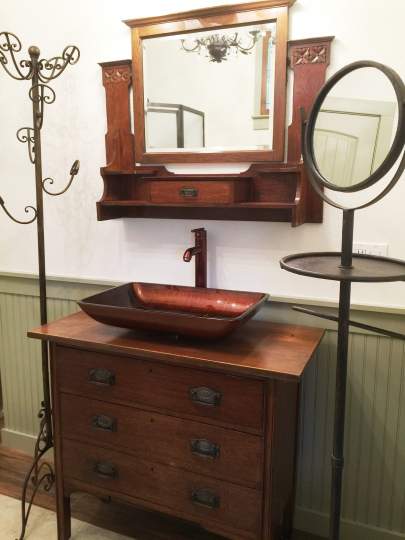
{"x": 63, "y": 517}
{"x": 288, "y": 520}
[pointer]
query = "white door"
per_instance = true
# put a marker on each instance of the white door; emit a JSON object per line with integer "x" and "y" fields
{"x": 352, "y": 138}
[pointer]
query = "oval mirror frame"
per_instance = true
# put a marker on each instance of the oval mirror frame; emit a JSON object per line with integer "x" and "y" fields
{"x": 317, "y": 179}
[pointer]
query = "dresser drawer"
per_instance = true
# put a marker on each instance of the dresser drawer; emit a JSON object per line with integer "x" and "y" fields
{"x": 198, "y": 191}
{"x": 201, "y": 448}
{"x": 197, "y": 496}
{"x": 202, "y": 394}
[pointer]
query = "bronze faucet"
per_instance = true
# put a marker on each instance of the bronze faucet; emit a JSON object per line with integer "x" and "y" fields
{"x": 199, "y": 251}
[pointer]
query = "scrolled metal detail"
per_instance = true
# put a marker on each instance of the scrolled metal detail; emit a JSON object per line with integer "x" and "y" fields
{"x": 26, "y": 135}
{"x": 52, "y": 68}
{"x": 43, "y": 441}
{"x": 39, "y": 474}
{"x": 27, "y": 209}
{"x": 71, "y": 54}
{"x": 9, "y": 45}
{"x": 42, "y": 97}
{"x": 73, "y": 172}
{"x": 41, "y": 94}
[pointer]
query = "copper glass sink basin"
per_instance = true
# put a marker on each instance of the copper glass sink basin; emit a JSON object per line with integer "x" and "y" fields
{"x": 189, "y": 311}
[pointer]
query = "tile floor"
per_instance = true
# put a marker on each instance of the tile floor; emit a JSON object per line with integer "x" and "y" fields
{"x": 42, "y": 524}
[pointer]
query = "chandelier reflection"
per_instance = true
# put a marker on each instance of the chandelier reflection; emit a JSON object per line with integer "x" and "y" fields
{"x": 219, "y": 47}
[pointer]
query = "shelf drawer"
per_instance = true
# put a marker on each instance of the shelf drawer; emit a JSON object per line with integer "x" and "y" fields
{"x": 197, "y": 496}
{"x": 180, "y": 391}
{"x": 201, "y": 448}
{"x": 198, "y": 191}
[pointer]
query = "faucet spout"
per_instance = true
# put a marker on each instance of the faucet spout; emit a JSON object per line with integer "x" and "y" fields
{"x": 199, "y": 251}
{"x": 190, "y": 253}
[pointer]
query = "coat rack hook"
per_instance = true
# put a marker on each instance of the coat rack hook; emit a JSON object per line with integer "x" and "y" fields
{"x": 26, "y": 135}
{"x": 73, "y": 172}
{"x": 27, "y": 209}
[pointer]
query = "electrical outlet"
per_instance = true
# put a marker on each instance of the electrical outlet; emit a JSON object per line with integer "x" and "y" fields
{"x": 362, "y": 248}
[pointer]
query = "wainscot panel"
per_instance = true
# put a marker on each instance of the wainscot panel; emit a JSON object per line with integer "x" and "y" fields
{"x": 374, "y": 498}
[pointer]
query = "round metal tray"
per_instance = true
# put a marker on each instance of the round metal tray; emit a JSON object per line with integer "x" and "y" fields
{"x": 326, "y": 265}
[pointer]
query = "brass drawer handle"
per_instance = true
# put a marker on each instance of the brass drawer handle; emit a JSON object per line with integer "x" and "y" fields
{"x": 104, "y": 423}
{"x": 206, "y": 498}
{"x": 189, "y": 192}
{"x": 105, "y": 470}
{"x": 102, "y": 377}
{"x": 205, "y": 448}
{"x": 205, "y": 396}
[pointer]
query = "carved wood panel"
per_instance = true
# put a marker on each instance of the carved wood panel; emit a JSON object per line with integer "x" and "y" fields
{"x": 119, "y": 140}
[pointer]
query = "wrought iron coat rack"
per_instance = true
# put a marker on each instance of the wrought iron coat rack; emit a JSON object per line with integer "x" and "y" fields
{"x": 40, "y": 72}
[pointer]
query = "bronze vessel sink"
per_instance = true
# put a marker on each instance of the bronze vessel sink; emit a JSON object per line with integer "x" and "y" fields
{"x": 189, "y": 311}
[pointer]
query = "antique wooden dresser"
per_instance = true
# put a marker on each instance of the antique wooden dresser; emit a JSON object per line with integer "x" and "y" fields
{"x": 201, "y": 431}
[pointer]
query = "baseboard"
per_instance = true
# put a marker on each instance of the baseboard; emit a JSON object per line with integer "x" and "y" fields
{"x": 307, "y": 520}
{"x": 18, "y": 441}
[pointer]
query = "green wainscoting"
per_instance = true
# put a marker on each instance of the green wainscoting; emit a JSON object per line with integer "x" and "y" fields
{"x": 20, "y": 357}
{"x": 374, "y": 492}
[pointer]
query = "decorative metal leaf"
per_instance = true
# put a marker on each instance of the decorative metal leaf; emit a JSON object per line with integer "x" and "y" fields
{"x": 26, "y": 209}
{"x": 73, "y": 172}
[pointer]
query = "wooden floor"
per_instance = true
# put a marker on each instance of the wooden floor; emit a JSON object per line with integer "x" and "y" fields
{"x": 119, "y": 518}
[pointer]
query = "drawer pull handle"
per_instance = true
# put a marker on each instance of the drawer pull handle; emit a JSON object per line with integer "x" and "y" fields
{"x": 105, "y": 470}
{"x": 206, "y": 498}
{"x": 205, "y": 396}
{"x": 189, "y": 192}
{"x": 104, "y": 423}
{"x": 103, "y": 377}
{"x": 205, "y": 448}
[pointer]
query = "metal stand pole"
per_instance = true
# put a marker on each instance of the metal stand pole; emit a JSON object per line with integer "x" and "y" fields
{"x": 37, "y": 121}
{"x": 39, "y": 72}
{"x": 341, "y": 378}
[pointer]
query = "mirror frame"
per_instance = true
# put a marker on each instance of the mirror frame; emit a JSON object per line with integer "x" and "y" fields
{"x": 208, "y": 19}
{"x": 316, "y": 177}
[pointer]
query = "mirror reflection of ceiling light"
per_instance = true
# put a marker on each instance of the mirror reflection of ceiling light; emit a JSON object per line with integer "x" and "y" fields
{"x": 218, "y": 47}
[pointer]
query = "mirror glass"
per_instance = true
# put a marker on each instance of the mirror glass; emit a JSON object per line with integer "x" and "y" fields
{"x": 355, "y": 127}
{"x": 210, "y": 91}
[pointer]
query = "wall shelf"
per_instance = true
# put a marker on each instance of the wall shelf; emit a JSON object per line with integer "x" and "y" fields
{"x": 267, "y": 191}
{"x": 262, "y": 193}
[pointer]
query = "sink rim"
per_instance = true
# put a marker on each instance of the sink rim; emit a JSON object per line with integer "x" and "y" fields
{"x": 263, "y": 297}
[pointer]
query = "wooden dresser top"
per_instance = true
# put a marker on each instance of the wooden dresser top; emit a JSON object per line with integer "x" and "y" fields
{"x": 259, "y": 348}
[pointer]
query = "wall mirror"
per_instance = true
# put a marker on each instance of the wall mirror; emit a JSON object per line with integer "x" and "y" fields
{"x": 209, "y": 85}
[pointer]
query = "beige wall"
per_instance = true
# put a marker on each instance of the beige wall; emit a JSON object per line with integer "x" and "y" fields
{"x": 242, "y": 255}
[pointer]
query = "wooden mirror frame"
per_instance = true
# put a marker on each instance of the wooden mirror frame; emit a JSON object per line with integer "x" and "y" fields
{"x": 203, "y": 19}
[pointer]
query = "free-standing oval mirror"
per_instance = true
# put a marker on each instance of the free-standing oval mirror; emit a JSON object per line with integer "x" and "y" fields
{"x": 353, "y": 137}
{"x": 355, "y": 129}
